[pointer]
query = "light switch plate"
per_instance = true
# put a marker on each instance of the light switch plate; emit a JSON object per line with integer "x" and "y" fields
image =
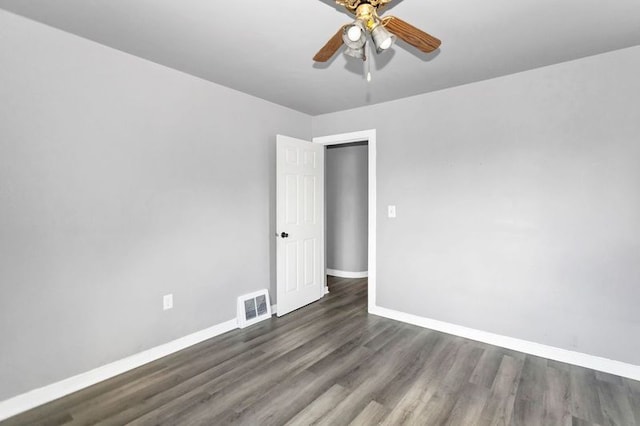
{"x": 392, "y": 211}
{"x": 167, "y": 301}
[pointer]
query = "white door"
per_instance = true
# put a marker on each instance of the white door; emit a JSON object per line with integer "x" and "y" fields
{"x": 300, "y": 223}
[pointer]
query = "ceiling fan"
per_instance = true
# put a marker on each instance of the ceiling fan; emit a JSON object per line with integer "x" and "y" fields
{"x": 382, "y": 30}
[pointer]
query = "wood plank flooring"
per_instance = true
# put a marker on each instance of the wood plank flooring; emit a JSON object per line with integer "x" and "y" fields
{"x": 331, "y": 363}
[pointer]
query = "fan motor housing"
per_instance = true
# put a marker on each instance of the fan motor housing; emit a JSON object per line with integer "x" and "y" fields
{"x": 353, "y": 5}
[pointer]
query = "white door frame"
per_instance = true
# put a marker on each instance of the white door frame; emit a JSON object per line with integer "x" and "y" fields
{"x": 368, "y": 136}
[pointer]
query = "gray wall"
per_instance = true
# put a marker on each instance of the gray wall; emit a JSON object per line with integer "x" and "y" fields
{"x": 518, "y": 204}
{"x": 121, "y": 181}
{"x": 347, "y": 201}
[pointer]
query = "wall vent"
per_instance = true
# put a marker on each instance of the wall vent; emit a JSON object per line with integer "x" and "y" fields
{"x": 253, "y": 308}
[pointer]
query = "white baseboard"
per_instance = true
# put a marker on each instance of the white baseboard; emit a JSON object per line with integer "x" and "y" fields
{"x": 37, "y": 397}
{"x": 274, "y": 309}
{"x": 347, "y": 274}
{"x": 593, "y": 362}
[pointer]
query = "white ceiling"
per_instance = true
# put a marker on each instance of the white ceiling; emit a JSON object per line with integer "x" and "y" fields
{"x": 264, "y": 48}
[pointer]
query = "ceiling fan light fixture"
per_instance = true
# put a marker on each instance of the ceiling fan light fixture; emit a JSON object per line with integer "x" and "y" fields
{"x": 354, "y": 32}
{"x": 383, "y": 31}
{"x": 356, "y": 53}
{"x": 349, "y": 34}
{"x": 382, "y": 38}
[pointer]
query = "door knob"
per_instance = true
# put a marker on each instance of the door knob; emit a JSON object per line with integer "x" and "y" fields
{"x": 284, "y": 235}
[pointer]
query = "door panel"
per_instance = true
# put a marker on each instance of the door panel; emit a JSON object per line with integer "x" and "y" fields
{"x": 309, "y": 261}
{"x": 292, "y": 199}
{"x": 310, "y": 200}
{"x": 300, "y": 215}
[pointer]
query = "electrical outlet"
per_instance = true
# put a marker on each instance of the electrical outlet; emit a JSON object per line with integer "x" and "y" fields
{"x": 167, "y": 301}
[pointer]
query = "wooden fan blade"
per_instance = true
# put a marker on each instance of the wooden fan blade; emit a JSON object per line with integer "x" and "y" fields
{"x": 330, "y": 48}
{"x": 412, "y": 35}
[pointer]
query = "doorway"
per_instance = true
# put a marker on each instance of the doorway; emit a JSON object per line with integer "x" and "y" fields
{"x": 346, "y": 204}
{"x": 367, "y": 137}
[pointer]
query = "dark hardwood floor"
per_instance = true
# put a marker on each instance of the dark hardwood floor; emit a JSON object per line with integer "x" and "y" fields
{"x": 331, "y": 363}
